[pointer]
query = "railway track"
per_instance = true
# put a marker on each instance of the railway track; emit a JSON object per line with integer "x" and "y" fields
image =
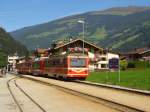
{"x": 106, "y": 102}
{"x": 142, "y": 92}
{"x": 19, "y": 105}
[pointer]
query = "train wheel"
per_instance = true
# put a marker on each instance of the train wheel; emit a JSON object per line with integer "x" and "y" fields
{"x": 35, "y": 74}
{"x": 83, "y": 78}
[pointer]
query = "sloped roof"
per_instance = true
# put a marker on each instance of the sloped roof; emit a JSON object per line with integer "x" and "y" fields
{"x": 76, "y": 41}
{"x": 138, "y": 51}
{"x": 41, "y": 50}
{"x": 145, "y": 51}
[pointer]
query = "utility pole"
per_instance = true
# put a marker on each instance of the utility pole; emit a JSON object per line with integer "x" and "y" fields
{"x": 83, "y": 27}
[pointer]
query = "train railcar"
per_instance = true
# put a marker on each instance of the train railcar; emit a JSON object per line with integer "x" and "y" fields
{"x": 68, "y": 66}
{"x": 72, "y": 65}
{"x": 24, "y": 68}
{"x": 38, "y": 67}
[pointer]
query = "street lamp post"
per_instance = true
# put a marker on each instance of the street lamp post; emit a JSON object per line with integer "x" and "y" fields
{"x": 83, "y": 23}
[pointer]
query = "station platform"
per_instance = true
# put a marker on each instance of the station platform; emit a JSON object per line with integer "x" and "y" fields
{"x": 6, "y": 101}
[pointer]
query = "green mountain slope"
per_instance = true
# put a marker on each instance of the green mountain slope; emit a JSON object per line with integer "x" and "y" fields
{"x": 9, "y": 46}
{"x": 117, "y": 28}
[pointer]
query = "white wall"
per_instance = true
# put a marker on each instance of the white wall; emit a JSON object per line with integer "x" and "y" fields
{"x": 112, "y": 55}
{"x": 12, "y": 59}
{"x": 107, "y": 56}
{"x": 91, "y": 55}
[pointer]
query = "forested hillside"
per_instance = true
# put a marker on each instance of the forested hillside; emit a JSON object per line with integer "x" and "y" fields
{"x": 121, "y": 29}
{"x": 9, "y": 46}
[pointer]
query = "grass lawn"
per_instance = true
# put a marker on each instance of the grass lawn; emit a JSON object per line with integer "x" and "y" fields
{"x": 139, "y": 79}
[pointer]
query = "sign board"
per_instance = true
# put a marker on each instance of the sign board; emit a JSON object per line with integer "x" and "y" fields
{"x": 36, "y": 59}
{"x": 114, "y": 63}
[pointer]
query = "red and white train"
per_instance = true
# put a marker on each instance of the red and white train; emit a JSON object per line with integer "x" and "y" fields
{"x": 69, "y": 66}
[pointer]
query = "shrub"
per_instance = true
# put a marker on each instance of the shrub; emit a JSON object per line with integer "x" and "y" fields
{"x": 123, "y": 64}
{"x": 138, "y": 64}
{"x": 131, "y": 65}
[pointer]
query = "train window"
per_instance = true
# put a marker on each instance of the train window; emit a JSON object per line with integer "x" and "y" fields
{"x": 64, "y": 62}
{"x": 36, "y": 65}
{"x": 55, "y": 62}
{"x": 78, "y": 62}
{"x": 28, "y": 65}
{"x": 45, "y": 64}
{"x": 49, "y": 63}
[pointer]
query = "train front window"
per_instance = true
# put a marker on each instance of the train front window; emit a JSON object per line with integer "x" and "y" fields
{"x": 78, "y": 62}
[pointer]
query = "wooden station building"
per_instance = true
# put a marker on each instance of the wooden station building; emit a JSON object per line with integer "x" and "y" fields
{"x": 98, "y": 56}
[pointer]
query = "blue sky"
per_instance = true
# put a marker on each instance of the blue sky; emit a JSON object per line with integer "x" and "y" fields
{"x": 15, "y": 14}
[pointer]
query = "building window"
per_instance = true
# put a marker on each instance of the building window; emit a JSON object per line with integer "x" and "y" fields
{"x": 103, "y": 59}
{"x": 103, "y": 65}
{"x": 96, "y": 65}
{"x": 10, "y": 59}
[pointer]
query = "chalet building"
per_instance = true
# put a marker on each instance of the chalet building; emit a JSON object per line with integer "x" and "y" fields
{"x": 98, "y": 56}
{"x": 102, "y": 64}
{"x": 20, "y": 59}
{"x": 146, "y": 55}
{"x": 13, "y": 60}
{"x": 40, "y": 52}
{"x": 137, "y": 54}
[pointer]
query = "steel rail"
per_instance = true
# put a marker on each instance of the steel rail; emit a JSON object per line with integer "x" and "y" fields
{"x": 106, "y": 102}
{"x": 141, "y": 92}
{"x": 28, "y": 96}
{"x": 38, "y": 105}
{"x": 13, "y": 96}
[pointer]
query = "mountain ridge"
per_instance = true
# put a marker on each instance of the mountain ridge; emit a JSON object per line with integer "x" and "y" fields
{"x": 100, "y": 28}
{"x": 140, "y": 9}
